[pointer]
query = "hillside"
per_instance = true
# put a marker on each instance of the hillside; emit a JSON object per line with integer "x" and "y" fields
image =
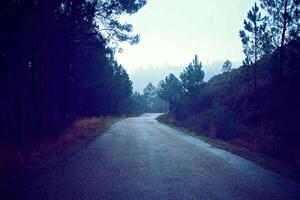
{"x": 267, "y": 123}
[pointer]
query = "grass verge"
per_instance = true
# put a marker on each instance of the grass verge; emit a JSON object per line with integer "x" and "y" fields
{"x": 283, "y": 168}
{"x": 75, "y": 138}
{"x": 17, "y": 165}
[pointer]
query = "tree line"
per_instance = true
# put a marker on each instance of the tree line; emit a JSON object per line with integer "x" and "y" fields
{"x": 261, "y": 36}
{"x": 57, "y": 64}
{"x": 148, "y": 101}
{"x": 183, "y": 95}
{"x": 256, "y": 105}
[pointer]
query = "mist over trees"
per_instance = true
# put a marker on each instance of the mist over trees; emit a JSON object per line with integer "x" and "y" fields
{"x": 57, "y": 64}
{"x": 149, "y": 101}
{"x": 154, "y": 74}
{"x": 227, "y": 66}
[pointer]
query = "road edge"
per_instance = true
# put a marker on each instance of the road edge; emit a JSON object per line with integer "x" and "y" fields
{"x": 281, "y": 168}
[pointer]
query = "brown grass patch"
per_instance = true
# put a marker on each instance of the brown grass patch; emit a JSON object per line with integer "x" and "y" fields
{"x": 79, "y": 134}
{"x": 18, "y": 162}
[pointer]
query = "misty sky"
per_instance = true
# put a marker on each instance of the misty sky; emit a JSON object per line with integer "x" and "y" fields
{"x": 173, "y": 31}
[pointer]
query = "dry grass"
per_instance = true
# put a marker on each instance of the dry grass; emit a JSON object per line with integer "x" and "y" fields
{"x": 79, "y": 134}
{"x": 237, "y": 147}
{"x": 50, "y": 152}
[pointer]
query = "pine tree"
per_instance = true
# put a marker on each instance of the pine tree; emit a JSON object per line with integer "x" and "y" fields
{"x": 57, "y": 63}
{"x": 192, "y": 83}
{"x": 226, "y": 66}
{"x": 252, "y": 39}
{"x": 149, "y": 95}
{"x": 170, "y": 90}
{"x": 192, "y": 76}
{"x": 283, "y": 24}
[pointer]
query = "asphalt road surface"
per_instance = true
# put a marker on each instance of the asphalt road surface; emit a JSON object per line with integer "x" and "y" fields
{"x": 139, "y": 158}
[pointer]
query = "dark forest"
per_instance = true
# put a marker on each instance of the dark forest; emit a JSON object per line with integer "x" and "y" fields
{"x": 65, "y": 96}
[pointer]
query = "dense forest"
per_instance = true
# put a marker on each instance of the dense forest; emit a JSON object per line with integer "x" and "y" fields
{"x": 257, "y": 105}
{"x": 57, "y": 64}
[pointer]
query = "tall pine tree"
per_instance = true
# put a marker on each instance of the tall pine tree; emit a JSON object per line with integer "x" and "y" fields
{"x": 252, "y": 39}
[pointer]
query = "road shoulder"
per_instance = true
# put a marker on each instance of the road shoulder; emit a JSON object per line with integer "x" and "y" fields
{"x": 284, "y": 169}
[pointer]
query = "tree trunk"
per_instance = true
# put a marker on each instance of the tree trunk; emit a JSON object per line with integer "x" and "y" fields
{"x": 255, "y": 78}
{"x": 282, "y": 40}
{"x": 255, "y": 63}
{"x": 64, "y": 111}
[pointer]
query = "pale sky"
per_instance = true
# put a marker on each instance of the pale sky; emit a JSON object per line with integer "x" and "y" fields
{"x": 173, "y": 31}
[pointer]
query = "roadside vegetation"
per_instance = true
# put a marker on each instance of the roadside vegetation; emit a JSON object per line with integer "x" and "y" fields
{"x": 256, "y": 106}
{"x": 17, "y": 163}
{"x": 281, "y": 167}
{"x": 60, "y": 83}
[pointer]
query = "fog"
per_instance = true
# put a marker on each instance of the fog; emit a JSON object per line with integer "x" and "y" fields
{"x": 143, "y": 75}
{"x": 174, "y": 31}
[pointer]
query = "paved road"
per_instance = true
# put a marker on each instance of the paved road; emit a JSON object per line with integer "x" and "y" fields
{"x": 138, "y": 158}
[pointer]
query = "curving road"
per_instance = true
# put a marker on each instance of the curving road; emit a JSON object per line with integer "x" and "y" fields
{"x": 139, "y": 158}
